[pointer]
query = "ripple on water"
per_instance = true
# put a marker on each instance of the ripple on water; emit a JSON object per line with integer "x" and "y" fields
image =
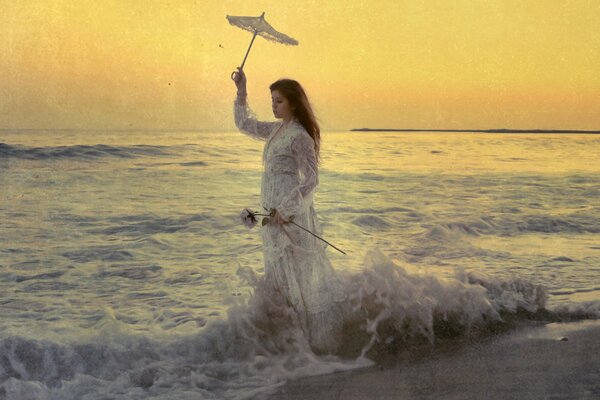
{"x": 562, "y": 259}
{"x": 49, "y": 275}
{"x": 99, "y": 253}
{"x": 132, "y": 225}
{"x": 371, "y": 221}
{"x": 147, "y": 295}
{"x": 45, "y": 286}
{"x": 136, "y": 273}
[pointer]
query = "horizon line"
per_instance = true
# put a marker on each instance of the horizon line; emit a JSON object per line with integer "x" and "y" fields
{"x": 494, "y": 130}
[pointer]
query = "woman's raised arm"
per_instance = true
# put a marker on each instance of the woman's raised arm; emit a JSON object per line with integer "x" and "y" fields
{"x": 245, "y": 120}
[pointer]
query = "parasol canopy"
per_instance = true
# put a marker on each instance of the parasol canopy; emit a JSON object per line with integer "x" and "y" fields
{"x": 259, "y": 27}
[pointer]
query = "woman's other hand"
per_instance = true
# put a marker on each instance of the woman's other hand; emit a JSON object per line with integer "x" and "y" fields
{"x": 239, "y": 77}
{"x": 278, "y": 219}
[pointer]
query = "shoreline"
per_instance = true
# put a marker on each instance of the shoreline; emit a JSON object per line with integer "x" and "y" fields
{"x": 557, "y": 360}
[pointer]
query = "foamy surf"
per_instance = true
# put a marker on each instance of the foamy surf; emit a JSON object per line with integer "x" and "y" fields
{"x": 259, "y": 346}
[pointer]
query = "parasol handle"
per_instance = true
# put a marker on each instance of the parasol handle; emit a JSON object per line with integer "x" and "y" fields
{"x": 247, "y": 51}
{"x": 246, "y": 56}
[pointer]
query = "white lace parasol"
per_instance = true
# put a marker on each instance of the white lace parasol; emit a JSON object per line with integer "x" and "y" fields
{"x": 259, "y": 27}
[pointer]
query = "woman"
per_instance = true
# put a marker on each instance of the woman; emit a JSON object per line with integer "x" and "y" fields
{"x": 295, "y": 262}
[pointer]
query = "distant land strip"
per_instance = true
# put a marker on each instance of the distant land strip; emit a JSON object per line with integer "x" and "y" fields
{"x": 474, "y": 130}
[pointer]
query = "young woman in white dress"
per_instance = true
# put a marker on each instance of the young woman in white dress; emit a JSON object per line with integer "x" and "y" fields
{"x": 296, "y": 263}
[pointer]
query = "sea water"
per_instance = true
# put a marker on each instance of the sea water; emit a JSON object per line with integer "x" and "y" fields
{"x": 125, "y": 271}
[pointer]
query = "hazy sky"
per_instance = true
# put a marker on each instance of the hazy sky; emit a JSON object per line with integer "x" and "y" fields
{"x": 425, "y": 64}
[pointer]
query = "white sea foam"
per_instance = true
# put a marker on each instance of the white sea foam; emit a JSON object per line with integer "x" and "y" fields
{"x": 259, "y": 346}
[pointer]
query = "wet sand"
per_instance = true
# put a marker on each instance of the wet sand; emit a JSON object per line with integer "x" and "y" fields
{"x": 555, "y": 361}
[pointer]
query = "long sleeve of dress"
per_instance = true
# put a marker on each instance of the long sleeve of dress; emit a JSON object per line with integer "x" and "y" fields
{"x": 299, "y": 199}
{"x": 246, "y": 121}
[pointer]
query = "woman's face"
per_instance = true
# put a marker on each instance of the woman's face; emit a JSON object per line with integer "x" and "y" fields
{"x": 281, "y": 106}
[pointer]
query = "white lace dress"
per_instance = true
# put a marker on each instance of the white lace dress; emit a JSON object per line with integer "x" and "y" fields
{"x": 295, "y": 262}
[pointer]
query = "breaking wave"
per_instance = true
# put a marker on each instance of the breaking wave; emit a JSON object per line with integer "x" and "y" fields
{"x": 260, "y": 345}
{"x": 86, "y": 152}
{"x": 506, "y": 226}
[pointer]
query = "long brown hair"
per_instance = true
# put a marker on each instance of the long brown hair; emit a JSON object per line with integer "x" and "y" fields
{"x": 295, "y": 95}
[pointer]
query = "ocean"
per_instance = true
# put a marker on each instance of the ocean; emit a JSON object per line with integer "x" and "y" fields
{"x": 126, "y": 273}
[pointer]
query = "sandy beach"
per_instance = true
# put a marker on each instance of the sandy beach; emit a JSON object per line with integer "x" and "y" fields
{"x": 546, "y": 362}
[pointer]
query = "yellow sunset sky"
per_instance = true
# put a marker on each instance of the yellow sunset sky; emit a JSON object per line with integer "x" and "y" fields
{"x": 77, "y": 64}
